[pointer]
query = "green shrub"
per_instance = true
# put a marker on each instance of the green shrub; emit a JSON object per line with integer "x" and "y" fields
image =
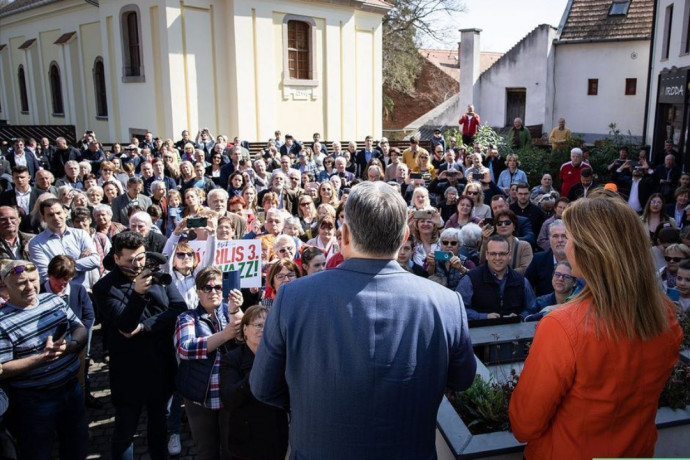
{"x": 483, "y": 407}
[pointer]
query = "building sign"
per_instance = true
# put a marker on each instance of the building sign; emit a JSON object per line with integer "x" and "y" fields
{"x": 672, "y": 88}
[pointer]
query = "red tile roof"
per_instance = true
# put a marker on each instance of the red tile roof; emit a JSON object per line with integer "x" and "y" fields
{"x": 590, "y": 20}
{"x": 448, "y": 62}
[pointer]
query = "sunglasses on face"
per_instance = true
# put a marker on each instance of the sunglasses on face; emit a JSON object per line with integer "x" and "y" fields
{"x": 449, "y": 243}
{"x": 504, "y": 223}
{"x": 673, "y": 259}
{"x": 212, "y": 287}
{"x": 182, "y": 255}
{"x": 472, "y": 193}
{"x": 562, "y": 276}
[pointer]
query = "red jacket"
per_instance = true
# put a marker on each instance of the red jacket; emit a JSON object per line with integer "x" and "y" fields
{"x": 469, "y": 125}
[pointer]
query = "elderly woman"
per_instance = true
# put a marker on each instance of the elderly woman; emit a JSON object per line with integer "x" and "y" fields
{"x": 285, "y": 247}
{"x": 256, "y": 431}
{"x": 95, "y": 195}
{"x": 471, "y": 237}
{"x": 281, "y": 272}
{"x": 200, "y": 340}
{"x": 325, "y": 239}
{"x": 512, "y": 174}
{"x": 474, "y": 191}
{"x": 448, "y": 271}
{"x": 420, "y": 199}
{"x": 590, "y": 386}
{"x": 449, "y": 204}
{"x": 293, "y": 227}
{"x": 505, "y": 224}
{"x": 66, "y": 195}
{"x": 463, "y": 214}
{"x": 102, "y": 218}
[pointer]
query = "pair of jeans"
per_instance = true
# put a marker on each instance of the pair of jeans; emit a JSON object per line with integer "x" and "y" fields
{"x": 175, "y": 413}
{"x": 36, "y": 413}
{"x": 126, "y": 422}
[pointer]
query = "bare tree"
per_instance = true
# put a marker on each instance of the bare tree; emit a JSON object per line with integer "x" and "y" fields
{"x": 408, "y": 24}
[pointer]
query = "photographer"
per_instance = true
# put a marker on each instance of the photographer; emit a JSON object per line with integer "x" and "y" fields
{"x": 139, "y": 318}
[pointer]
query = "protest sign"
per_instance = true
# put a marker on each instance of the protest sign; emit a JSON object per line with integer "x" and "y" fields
{"x": 235, "y": 255}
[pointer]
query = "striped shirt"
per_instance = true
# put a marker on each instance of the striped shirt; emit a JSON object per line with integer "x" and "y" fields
{"x": 190, "y": 346}
{"x": 24, "y": 332}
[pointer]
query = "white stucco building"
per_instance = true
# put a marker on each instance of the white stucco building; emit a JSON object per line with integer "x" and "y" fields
{"x": 238, "y": 67}
{"x": 669, "y": 112}
{"x": 592, "y": 71}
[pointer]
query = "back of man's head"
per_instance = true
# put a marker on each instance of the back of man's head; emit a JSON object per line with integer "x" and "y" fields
{"x": 376, "y": 216}
{"x": 127, "y": 240}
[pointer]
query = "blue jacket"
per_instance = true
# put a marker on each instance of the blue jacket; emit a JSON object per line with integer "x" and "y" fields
{"x": 362, "y": 355}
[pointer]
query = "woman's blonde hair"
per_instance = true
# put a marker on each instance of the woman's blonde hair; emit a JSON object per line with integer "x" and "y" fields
{"x": 621, "y": 286}
{"x": 475, "y": 187}
{"x": 421, "y": 191}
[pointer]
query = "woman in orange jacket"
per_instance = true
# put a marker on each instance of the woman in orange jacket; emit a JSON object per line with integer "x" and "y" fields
{"x": 591, "y": 383}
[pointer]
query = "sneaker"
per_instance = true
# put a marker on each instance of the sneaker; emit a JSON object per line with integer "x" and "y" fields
{"x": 174, "y": 446}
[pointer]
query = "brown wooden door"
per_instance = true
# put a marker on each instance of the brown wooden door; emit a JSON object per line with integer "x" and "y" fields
{"x": 515, "y": 104}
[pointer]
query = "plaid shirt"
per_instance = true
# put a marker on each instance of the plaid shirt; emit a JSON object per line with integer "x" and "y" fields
{"x": 190, "y": 346}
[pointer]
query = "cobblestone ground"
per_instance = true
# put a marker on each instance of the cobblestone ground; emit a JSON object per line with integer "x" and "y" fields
{"x": 101, "y": 421}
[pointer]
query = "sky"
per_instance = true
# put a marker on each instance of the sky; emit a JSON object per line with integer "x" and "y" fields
{"x": 503, "y": 22}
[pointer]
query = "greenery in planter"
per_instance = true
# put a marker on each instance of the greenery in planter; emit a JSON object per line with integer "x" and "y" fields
{"x": 676, "y": 392}
{"x": 483, "y": 407}
{"x": 684, "y": 321}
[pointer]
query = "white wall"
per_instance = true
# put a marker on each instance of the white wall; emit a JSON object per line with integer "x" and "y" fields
{"x": 676, "y": 55}
{"x": 526, "y": 65}
{"x": 611, "y": 63}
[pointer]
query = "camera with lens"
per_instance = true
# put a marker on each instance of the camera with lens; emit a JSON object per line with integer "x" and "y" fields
{"x": 153, "y": 262}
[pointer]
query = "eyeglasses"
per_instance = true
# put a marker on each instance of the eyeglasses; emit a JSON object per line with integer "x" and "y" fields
{"x": 285, "y": 276}
{"x": 562, "y": 276}
{"x": 258, "y": 327}
{"x": 19, "y": 269}
{"x": 504, "y": 223}
{"x": 212, "y": 287}
{"x": 182, "y": 255}
{"x": 449, "y": 243}
{"x": 656, "y": 202}
{"x": 673, "y": 259}
{"x": 496, "y": 254}
{"x": 423, "y": 156}
{"x": 472, "y": 193}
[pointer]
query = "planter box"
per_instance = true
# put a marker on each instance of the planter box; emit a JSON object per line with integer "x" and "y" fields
{"x": 455, "y": 442}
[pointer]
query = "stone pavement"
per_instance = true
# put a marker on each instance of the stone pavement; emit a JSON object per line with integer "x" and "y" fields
{"x": 101, "y": 421}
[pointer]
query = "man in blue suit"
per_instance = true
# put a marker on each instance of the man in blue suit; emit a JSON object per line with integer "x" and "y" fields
{"x": 540, "y": 270}
{"x": 361, "y": 354}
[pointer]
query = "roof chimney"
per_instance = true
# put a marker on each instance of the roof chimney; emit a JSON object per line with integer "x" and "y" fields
{"x": 469, "y": 68}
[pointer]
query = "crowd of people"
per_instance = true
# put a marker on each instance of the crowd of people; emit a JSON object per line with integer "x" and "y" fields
{"x": 90, "y": 236}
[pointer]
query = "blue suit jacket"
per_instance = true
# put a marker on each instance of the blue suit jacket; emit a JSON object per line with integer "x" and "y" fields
{"x": 540, "y": 271}
{"x": 361, "y": 354}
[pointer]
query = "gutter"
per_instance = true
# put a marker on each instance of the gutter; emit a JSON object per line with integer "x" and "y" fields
{"x": 27, "y": 7}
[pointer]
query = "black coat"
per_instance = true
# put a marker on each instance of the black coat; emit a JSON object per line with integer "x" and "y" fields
{"x": 255, "y": 430}
{"x": 142, "y": 367}
{"x": 540, "y": 271}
